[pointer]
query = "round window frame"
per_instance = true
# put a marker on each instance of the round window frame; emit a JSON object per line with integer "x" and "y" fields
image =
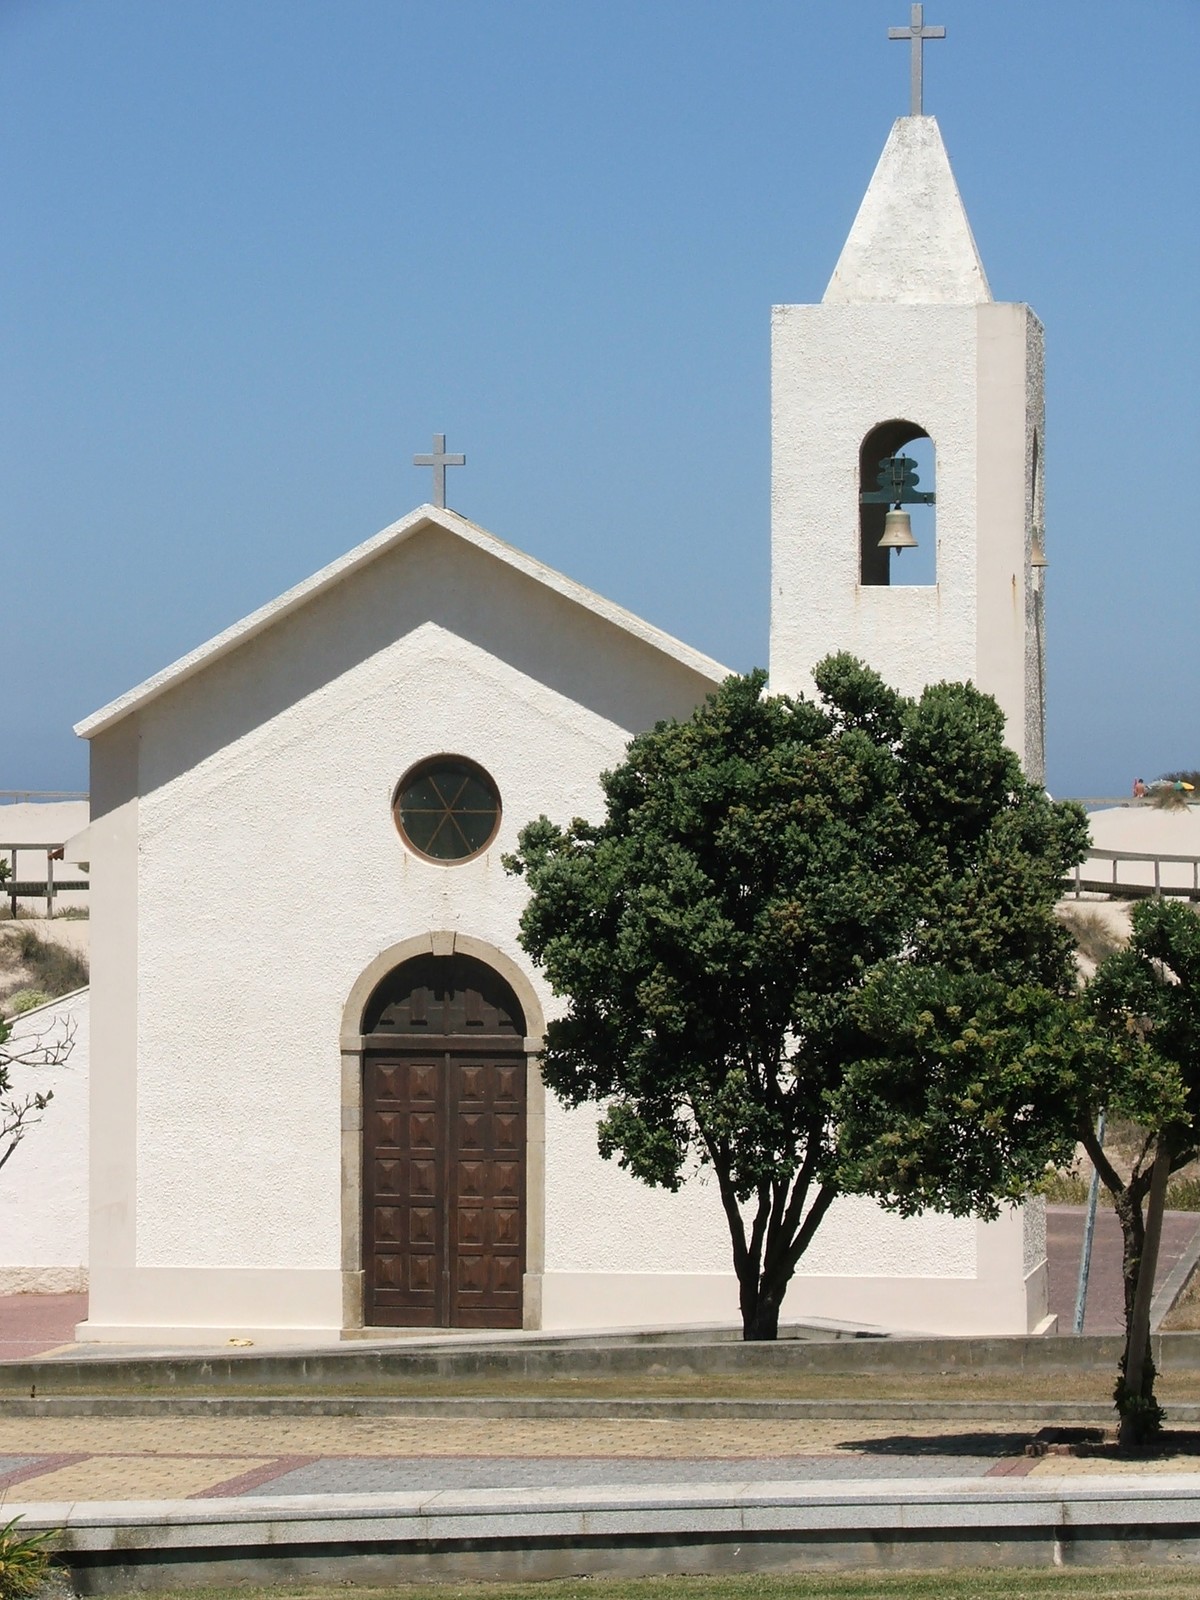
{"x": 418, "y": 770}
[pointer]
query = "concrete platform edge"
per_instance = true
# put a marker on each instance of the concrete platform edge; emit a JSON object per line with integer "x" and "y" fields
{"x": 1092, "y": 1412}
{"x": 650, "y": 1529}
{"x": 535, "y": 1358}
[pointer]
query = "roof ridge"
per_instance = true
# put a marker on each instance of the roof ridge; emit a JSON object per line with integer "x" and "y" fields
{"x": 396, "y": 533}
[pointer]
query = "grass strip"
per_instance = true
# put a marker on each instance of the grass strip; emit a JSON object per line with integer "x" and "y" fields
{"x": 1125, "y": 1583}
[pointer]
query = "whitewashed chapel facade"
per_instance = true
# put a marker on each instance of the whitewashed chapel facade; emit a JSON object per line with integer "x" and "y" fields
{"x": 314, "y": 1036}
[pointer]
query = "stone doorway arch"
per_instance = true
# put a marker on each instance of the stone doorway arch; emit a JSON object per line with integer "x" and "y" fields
{"x": 443, "y": 1141}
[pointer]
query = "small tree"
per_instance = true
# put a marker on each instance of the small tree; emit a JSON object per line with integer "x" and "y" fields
{"x": 750, "y": 943}
{"x": 1147, "y": 996}
{"x": 21, "y": 1112}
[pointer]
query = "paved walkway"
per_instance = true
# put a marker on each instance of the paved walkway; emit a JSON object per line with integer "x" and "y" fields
{"x": 32, "y": 1324}
{"x": 95, "y": 1459}
{"x": 1105, "y": 1300}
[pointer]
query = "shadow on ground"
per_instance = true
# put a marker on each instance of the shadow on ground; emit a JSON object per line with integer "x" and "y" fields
{"x": 1075, "y": 1441}
{"x": 941, "y": 1444}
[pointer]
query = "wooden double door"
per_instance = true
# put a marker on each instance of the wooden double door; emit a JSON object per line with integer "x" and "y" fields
{"x": 444, "y": 1151}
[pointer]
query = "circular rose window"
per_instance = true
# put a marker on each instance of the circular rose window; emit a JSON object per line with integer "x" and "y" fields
{"x": 447, "y": 809}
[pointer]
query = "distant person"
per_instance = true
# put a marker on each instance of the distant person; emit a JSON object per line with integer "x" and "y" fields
{"x": 1139, "y": 789}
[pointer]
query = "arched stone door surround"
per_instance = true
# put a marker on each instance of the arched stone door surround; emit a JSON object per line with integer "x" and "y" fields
{"x": 354, "y": 1049}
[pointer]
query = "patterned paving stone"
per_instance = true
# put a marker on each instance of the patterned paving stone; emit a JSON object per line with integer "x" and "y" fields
{"x": 132, "y": 1478}
{"x": 556, "y": 1472}
{"x": 267, "y": 1437}
{"x": 1098, "y": 1466}
{"x": 92, "y": 1458}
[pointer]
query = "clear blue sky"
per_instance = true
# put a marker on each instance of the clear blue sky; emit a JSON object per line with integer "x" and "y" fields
{"x": 256, "y": 251}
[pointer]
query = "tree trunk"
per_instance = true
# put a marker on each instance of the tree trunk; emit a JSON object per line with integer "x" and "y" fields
{"x": 1133, "y": 1233}
{"x": 1141, "y": 1415}
{"x": 764, "y": 1322}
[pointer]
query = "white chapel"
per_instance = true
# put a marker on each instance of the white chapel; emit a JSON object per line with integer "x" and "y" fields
{"x": 318, "y": 1110}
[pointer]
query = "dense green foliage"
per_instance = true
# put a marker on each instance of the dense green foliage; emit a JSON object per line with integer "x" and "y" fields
{"x": 812, "y": 947}
{"x": 1147, "y": 998}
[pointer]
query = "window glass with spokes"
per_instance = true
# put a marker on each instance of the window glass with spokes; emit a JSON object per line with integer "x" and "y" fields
{"x": 447, "y": 809}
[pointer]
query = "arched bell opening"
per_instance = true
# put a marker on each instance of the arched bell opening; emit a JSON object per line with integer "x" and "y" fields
{"x": 897, "y": 463}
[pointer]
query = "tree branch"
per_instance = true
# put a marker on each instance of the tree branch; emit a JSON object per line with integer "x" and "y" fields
{"x": 1109, "y": 1176}
{"x": 816, "y": 1215}
{"x": 16, "y": 1119}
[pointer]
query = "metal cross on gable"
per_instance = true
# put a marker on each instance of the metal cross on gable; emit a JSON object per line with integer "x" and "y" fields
{"x": 917, "y": 32}
{"x": 439, "y": 461}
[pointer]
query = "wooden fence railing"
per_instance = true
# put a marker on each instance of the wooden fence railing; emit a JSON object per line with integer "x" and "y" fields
{"x": 15, "y": 888}
{"x": 1149, "y": 879}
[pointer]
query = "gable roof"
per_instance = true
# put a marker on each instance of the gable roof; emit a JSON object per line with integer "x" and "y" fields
{"x": 336, "y": 572}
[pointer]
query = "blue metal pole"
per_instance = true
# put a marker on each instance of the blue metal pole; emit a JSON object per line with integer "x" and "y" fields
{"x": 1089, "y": 1228}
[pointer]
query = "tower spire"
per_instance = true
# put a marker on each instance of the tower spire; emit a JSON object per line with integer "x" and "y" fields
{"x": 911, "y": 243}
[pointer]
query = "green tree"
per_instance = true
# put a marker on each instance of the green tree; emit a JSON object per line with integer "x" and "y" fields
{"x": 1147, "y": 997}
{"x": 809, "y": 945}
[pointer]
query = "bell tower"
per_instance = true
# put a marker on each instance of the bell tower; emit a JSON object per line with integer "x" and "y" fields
{"x": 908, "y": 406}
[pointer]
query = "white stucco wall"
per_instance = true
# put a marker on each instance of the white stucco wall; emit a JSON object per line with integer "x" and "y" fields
{"x": 971, "y": 377}
{"x": 247, "y": 871}
{"x": 838, "y": 371}
{"x": 44, "y": 1185}
{"x": 270, "y": 874}
{"x": 296, "y": 812}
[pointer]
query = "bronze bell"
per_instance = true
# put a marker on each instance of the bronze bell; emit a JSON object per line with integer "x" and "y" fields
{"x": 897, "y": 531}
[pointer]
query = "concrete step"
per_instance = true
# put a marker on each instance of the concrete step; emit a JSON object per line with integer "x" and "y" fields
{"x": 527, "y": 1534}
{"x": 1097, "y": 1412}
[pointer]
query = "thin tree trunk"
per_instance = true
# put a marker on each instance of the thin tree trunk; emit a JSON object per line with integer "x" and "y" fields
{"x": 1141, "y": 1416}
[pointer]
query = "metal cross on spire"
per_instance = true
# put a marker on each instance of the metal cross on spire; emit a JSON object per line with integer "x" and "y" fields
{"x": 917, "y": 32}
{"x": 439, "y": 461}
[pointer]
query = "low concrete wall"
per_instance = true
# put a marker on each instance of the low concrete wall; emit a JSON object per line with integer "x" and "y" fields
{"x": 518, "y": 1535}
{"x": 535, "y": 1356}
{"x": 1017, "y": 1413}
{"x": 551, "y": 1358}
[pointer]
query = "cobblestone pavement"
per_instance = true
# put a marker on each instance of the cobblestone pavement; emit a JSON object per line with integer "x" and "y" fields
{"x": 88, "y": 1458}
